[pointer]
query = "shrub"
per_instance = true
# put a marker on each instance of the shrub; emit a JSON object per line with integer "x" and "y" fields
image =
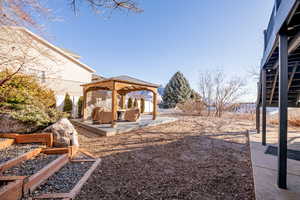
{"x": 79, "y": 105}
{"x": 25, "y": 100}
{"x": 191, "y": 107}
{"x": 142, "y": 105}
{"x": 135, "y": 103}
{"x": 68, "y": 104}
{"x": 129, "y": 103}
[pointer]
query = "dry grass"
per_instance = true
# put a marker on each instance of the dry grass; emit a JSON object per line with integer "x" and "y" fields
{"x": 293, "y": 118}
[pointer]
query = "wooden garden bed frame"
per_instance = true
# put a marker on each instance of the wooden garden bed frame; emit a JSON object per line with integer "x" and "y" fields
{"x": 6, "y": 143}
{"x": 44, "y": 138}
{"x": 72, "y": 194}
{"x": 29, "y": 183}
{"x": 14, "y": 189}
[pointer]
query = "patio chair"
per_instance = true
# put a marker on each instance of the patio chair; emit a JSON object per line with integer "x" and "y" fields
{"x": 100, "y": 116}
{"x": 132, "y": 115}
{"x": 96, "y": 114}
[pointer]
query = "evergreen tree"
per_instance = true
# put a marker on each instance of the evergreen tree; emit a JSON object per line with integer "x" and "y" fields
{"x": 178, "y": 90}
{"x": 79, "y": 106}
{"x": 135, "y": 103}
{"x": 142, "y": 105}
{"x": 68, "y": 104}
{"x": 129, "y": 103}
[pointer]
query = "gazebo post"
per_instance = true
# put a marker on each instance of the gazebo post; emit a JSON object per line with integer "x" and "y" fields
{"x": 123, "y": 101}
{"x": 114, "y": 105}
{"x": 84, "y": 110}
{"x": 154, "y": 105}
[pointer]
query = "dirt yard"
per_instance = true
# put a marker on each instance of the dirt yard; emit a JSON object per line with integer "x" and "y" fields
{"x": 194, "y": 158}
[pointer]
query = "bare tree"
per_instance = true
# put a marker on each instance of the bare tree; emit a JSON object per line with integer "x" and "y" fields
{"x": 220, "y": 92}
{"x": 99, "y": 6}
{"x": 16, "y": 49}
{"x": 206, "y": 88}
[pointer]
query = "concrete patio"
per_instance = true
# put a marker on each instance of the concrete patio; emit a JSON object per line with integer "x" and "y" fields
{"x": 123, "y": 126}
{"x": 265, "y": 167}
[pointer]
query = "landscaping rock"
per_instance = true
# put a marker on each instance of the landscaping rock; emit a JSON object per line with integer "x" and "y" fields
{"x": 10, "y": 125}
{"x": 64, "y": 133}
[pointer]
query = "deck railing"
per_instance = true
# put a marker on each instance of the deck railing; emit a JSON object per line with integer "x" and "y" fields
{"x": 270, "y": 29}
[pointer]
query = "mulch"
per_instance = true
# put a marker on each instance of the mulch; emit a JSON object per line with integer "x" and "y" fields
{"x": 194, "y": 158}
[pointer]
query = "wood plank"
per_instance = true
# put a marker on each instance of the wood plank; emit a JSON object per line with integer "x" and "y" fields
{"x": 42, "y": 175}
{"x": 12, "y": 178}
{"x": 62, "y": 150}
{"x": 292, "y": 76}
{"x": 12, "y": 191}
{"x": 15, "y": 161}
{"x": 6, "y": 143}
{"x": 45, "y": 138}
{"x": 274, "y": 86}
{"x": 87, "y": 153}
{"x": 84, "y": 179}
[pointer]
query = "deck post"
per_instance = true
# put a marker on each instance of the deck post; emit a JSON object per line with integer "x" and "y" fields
{"x": 283, "y": 116}
{"x": 258, "y": 110}
{"x": 264, "y": 110}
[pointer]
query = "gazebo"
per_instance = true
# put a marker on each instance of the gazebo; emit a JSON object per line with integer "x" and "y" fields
{"x": 119, "y": 86}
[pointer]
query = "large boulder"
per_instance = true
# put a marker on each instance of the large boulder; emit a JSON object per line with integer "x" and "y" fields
{"x": 10, "y": 125}
{"x": 64, "y": 133}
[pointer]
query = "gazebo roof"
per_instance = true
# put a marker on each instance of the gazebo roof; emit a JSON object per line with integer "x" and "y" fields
{"x": 125, "y": 79}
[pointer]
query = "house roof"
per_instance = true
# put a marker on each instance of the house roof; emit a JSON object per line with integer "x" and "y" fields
{"x": 61, "y": 51}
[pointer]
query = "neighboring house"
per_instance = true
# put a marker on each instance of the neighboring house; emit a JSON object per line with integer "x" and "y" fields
{"x": 56, "y": 68}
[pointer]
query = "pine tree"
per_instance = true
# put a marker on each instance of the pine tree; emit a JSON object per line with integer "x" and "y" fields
{"x": 142, "y": 105}
{"x": 79, "y": 106}
{"x": 135, "y": 103}
{"x": 178, "y": 90}
{"x": 68, "y": 104}
{"x": 129, "y": 103}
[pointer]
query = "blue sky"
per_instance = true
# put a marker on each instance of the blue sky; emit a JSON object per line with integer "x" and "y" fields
{"x": 170, "y": 35}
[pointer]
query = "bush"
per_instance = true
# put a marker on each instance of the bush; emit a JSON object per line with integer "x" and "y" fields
{"x": 142, "y": 105}
{"x": 191, "y": 107}
{"x": 25, "y": 100}
{"x": 135, "y": 103}
{"x": 129, "y": 103}
{"x": 79, "y": 105}
{"x": 68, "y": 104}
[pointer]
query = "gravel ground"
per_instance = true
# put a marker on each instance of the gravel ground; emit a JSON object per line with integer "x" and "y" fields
{"x": 32, "y": 166}
{"x": 16, "y": 150}
{"x": 65, "y": 179}
{"x": 193, "y": 158}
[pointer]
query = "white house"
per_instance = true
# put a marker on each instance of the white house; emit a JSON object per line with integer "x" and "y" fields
{"x": 56, "y": 68}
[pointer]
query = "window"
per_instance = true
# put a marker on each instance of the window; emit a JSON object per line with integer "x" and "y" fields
{"x": 41, "y": 75}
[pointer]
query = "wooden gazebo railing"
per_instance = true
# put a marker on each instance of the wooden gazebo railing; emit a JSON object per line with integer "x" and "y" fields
{"x": 121, "y": 85}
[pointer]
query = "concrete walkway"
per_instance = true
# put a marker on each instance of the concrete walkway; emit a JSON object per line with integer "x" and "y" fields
{"x": 265, "y": 167}
{"x": 122, "y": 127}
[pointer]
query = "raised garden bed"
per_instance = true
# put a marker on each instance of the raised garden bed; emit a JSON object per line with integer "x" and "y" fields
{"x": 11, "y": 188}
{"x": 44, "y": 138}
{"x": 67, "y": 182}
{"x": 31, "y": 166}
